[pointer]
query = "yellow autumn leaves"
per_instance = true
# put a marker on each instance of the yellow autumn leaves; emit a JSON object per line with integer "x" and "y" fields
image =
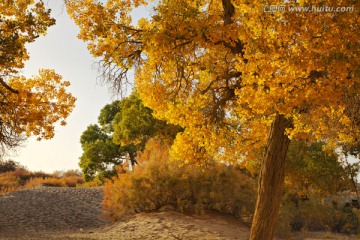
{"x": 224, "y": 75}
{"x": 28, "y": 106}
{"x": 41, "y": 102}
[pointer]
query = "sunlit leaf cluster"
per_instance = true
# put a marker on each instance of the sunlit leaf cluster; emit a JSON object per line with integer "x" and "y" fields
{"x": 28, "y": 106}
{"x": 225, "y": 68}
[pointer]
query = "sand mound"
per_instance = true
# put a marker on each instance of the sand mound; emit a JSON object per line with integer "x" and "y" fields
{"x": 43, "y": 209}
{"x": 170, "y": 225}
{"x": 75, "y": 213}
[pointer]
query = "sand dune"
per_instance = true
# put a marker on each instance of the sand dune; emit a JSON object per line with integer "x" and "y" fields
{"x": 75, "y": 213}
{"x": 39, "y": 210}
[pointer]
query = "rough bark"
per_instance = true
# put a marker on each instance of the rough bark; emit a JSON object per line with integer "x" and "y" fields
{"x": 133, "y": 158}
{"x": 271, "y": 181}
{"x": 229, "y": 11}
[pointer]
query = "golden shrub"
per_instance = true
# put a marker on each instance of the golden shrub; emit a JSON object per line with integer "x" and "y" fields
{"x": 8, "y": 182}
{"x": 158, "y": 182}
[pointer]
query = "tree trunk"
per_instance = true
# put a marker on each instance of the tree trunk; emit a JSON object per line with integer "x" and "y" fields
{"x": 132, "y": 156}
{"x": 271, "y": 181}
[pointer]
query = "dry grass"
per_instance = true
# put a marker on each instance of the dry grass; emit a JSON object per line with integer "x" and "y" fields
{"x": 158, "y": 182}
{"x": 71, "y": 181}
{"x": 21, "y": 178}
{"x": 93, "y": 183}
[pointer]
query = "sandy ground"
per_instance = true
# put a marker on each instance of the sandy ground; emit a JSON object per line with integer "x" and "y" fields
{"x": 39, "y": 210}
{"x": 75, "y": 213}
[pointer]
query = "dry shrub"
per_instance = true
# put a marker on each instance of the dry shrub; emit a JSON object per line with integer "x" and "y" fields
{"x": 23, "y": 175}
{"x": 72, "y": 181}
{"x": 67, "y": 173}
{"x": 158, "y": 182}
{"x": 15, "y": 180}
{"x": 314, "y": 215}
{"x": 93, "y": 183}
{"x": 8, "y": 182}
{"x": 49, "y": 182}
{"x": 8, "y": 165}
{"x": 22, "y": 178}
{"x": 54, "y": 182}
{"x": 72, "y": 172}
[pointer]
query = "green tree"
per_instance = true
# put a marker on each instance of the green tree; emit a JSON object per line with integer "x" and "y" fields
{"x": 126, "y": 126}
{"x": 134, "y": 125}
{"x": 100, "y": 154}
{"x": 99, "y": 159}
{"x": 311, "y": 168}
{"x": 107, "y": 115}
{"x": 92, "y": 134}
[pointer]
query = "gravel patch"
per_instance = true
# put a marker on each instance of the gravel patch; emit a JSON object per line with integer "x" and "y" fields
{"x": 42, "y": 210}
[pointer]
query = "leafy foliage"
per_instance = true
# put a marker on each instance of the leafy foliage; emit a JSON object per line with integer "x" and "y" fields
{"x": 198, "y": 67}
{"x": 29, "y": 106}
{"x": 107, "y": 115}
{"x": 229, "y": 71}
{"x": 134, "y": 124}
{"x": 98, "y": 159}
{"x": 314, "y": 215}
{"x": 126, "y": 126}
{"x": 21, "y": 23}
{"x": 312, "y": 169}
{"x": 93, "y": 133}
{"x": 158, "y": 182}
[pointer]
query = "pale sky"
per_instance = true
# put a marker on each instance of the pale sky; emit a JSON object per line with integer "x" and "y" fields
{"x": 62, "y": 51}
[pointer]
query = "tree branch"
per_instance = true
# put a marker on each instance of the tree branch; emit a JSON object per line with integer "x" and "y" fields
{"x": 5, "y": 85}
{"x": 229, "y": 11}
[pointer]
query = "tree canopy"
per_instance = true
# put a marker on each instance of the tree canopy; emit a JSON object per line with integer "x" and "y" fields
{"x": 310, "y": 169}
{"x": 125, "y": 127}
{"x": 29, "y": 106}
{"x": 229, "y": 71}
